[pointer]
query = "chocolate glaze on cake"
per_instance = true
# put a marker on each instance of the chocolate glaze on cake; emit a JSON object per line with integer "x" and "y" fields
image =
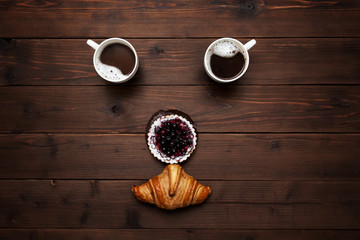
{"x": 171, "y": 136}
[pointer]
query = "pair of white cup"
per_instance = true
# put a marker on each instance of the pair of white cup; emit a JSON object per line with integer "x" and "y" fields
{"x": 112, "y": 74}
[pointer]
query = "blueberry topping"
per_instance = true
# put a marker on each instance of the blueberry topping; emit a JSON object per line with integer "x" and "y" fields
{"x": 173, "y": 138}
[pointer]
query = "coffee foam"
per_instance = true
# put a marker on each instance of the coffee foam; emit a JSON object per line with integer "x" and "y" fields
{"x": 109, "y": 72}
{"x": 226, "y": 49}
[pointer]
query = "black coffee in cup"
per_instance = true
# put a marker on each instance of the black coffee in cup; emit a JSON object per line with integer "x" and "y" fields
{"x": 227, "y": 67}
{"x": 119, "y": 56}
{"x": 227, "y": 59}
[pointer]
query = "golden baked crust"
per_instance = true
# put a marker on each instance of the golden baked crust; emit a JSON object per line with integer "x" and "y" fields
{"x": 172, "y": 189}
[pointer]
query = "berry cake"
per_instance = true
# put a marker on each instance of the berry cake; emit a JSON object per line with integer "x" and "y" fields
{"x": 171, "y": 136}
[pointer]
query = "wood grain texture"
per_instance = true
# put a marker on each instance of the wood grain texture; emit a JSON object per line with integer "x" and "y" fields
{"x": 176, "y": 234}
{"x": 279, "y": 148}
{"x": 217, "y": 157}
{"x": 205, "y": 18}
{"x": 233, "y": 204}
{"x": 217, "y": 109}
{"x": 180, "y": 62}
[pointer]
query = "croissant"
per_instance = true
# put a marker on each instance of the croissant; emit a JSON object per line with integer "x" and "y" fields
{"x": 172, "y": 189}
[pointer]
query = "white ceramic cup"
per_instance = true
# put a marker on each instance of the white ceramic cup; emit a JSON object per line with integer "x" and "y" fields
{"x": 111, "y": 73}
{"x": 227, "y": 47}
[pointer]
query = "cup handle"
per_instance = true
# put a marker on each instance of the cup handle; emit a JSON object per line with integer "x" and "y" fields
{"x": 250, "y": 44}
{"x": 92, "y": 44}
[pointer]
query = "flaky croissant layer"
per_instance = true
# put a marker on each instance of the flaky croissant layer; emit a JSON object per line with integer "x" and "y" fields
{"x": 172, "y": 189}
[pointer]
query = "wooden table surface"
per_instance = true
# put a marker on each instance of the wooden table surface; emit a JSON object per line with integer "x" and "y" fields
{"x": 280, "y": 148}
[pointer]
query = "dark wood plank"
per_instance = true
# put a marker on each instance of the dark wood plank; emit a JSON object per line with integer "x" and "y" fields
{"x": 217, "y": 109}
{"x": 176, "y": 234}
{"x": 81, "y": 18}
{"x": 180, "y": 62}
{"x": 233, "y": 204}
{"x": 225, "y": 156}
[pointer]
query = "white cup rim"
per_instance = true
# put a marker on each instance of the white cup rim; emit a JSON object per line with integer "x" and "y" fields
{"x": 107, "y": 42}
{"x": 207, "y": 67}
